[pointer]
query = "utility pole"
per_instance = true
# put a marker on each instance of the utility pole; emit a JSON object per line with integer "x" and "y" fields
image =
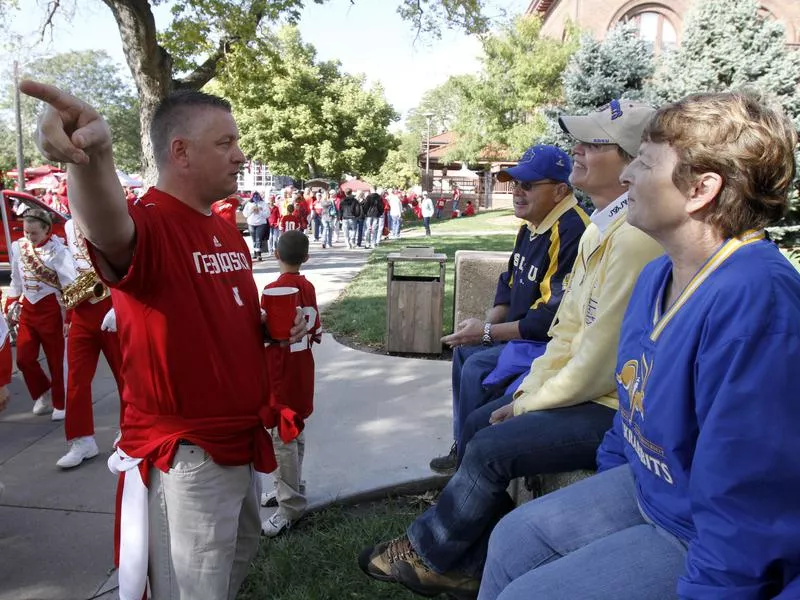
{"x": 18, "y": 110}
{"x": 428, "y": 181}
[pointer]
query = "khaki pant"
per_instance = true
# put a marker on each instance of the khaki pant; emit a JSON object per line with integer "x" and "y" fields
{"x": 291, "y": 503}
{"x": 204, "y": 527}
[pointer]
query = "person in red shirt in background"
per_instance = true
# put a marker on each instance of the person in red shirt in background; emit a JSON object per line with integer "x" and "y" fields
{"x": 290, "y": 221}
{"x": 274, "y": 222}
{"x": 302, "y": 209}
{"x": 190, "y": 327}
{"x": 440, "y": 204}
{"x": 226, "y": 208}
{"x": 469, "y": 210}
{"x": 290, "y": 370}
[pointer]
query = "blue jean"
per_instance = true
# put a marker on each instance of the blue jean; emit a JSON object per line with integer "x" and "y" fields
{"x": 317, "y": 221}
{"x": 454, "y": 534}
{"x": 327, "y": 233}
{"x": 471, "y": 365}
{"x": 426, "y": 221}
{"x": 588, "y": 540}
{"x": 397, "y": 221}
{"x": 258, "y": 233}
{"x": 274, "y": 234}
{"x": 359, "y": 231}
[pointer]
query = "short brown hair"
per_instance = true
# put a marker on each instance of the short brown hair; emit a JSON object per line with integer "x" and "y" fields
{"x": 740, "y": 136}
{"x": 293, "y": 247}
{"x": 37, "y": 215}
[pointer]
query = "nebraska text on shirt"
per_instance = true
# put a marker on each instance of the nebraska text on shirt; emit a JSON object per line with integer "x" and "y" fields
{"x": 220, "y": 262}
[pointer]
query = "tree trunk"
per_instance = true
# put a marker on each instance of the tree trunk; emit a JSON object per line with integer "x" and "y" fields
{"x": 150, "y": 64}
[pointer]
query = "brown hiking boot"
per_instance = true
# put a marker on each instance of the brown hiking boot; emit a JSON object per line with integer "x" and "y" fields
{"x": 446, "y": 465}
{"x": 397, "y": 561}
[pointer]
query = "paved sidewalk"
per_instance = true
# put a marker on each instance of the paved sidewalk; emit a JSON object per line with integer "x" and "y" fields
{"x": 377, "y": 423}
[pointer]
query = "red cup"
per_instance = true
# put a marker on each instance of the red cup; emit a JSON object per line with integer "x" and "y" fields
{"x": 281, "y": 306}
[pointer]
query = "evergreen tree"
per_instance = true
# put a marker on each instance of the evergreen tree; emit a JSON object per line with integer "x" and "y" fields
{"x": 728, "y": 45}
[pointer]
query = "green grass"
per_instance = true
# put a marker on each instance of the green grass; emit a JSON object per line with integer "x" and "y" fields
{"x": 317, "y": 559}
{"x": 360, "y": 312}
{"x": 499, "y": 221}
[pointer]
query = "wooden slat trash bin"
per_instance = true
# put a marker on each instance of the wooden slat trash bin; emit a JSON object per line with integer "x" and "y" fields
{"x": 415, "y": 303}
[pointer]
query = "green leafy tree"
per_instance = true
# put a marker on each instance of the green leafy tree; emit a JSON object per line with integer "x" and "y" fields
{"x": 521, "y": 73}
{"x": 191, "y": 51}
{"x": 94, "y": 77}
{"x": 400, "y": 168}
{"x": 741, "y": 50}
{"x": 308, "y": 120}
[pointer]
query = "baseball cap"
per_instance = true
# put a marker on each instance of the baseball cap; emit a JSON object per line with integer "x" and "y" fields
{"x": 619, "y": 122}
{"x": 540, "y": 162}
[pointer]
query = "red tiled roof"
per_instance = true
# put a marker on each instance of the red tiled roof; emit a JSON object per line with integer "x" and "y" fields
{"x": 540, "y": 6}
{"x": 447, "y": 137}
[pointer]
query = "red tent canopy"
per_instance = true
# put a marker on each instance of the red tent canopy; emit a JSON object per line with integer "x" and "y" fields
{"x": 32, "y": 172}
{"x": 356, "y": 185}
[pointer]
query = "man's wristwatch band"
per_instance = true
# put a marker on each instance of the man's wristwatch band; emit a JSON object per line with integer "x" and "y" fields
{"x": 487, "y": 340}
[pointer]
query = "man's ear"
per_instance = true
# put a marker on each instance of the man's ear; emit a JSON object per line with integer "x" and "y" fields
{"x": 179, "y": 151}
{"x": 306, "y": 258}
{"x": 704, "y": 191}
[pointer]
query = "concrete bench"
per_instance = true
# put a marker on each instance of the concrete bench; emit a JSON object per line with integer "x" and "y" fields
{"x": 476, "y": 276}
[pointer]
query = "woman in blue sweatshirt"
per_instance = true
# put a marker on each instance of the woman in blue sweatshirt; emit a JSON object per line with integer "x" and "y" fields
{"x": 698, "y": 494}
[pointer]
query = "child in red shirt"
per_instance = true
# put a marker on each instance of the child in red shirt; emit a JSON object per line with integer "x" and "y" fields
{"x": 290, "y": 221}
{"x": 290, "y": 372}
{"x": 469, "y": 211}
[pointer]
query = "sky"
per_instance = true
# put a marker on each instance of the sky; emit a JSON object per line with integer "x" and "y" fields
{"x": 366, "y": 36}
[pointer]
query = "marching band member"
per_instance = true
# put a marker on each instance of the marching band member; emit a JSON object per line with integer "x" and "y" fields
{"x": 41, "y": 266}
{"x": 92, "y": 329}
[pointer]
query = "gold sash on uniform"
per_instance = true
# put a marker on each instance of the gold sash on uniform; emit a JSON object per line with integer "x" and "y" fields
{"x": 34, "y": 268}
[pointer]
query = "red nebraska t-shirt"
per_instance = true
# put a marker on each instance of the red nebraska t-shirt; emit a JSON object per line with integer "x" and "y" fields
{"x": 189, "y": 324}
{"x": 291, "y": 369}
{"x": 290, "y": 222}
{"x": 226, "y": 209}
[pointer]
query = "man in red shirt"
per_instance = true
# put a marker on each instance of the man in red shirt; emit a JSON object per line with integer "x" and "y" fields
{"x": 226, "y": 208}
{"x": 190, "y": 327}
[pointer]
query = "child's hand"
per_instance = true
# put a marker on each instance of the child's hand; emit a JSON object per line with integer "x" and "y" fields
{"x": 300, "y": 328}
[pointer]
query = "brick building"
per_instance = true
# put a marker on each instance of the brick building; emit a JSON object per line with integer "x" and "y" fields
{"x": 660, "y": 21}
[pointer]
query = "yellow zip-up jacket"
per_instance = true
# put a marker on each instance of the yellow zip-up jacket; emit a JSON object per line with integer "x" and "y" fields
{"x": 578, "y": 364}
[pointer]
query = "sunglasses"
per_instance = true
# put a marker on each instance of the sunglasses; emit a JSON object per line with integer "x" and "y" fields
{"x": 527, "y": 186}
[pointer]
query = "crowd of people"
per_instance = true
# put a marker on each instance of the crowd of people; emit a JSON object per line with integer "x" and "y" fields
{"x": 651, "y": 341}
{"x": 360, "y": 219}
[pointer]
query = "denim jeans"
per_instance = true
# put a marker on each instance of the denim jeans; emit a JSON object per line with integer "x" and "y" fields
{"x": 426, "y": 221}
{"x": 317, "y": 221}
{"x": 359, "y": 231}
{"x": 471, "y": 365}
{"x": 327, "y": 233}
{"x": 349, "y": 231}
{"x": 454, "y": 534}
{"x": 371, "y": 226}
{"x": 588, "y": 540}
{"x": 274, "y": 234}
{"x": 258, "y": 234}
{"x": 378, "y": 234}
{"x": 397, "y": 221}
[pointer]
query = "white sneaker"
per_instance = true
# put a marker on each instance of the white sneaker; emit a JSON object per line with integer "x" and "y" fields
{"x": 266, "y": 497}
{"x": 58, "y": 414}
{"x": 80, "y": 449}
{"x": 43, "y": 404}
{"x": 275, "y": 525}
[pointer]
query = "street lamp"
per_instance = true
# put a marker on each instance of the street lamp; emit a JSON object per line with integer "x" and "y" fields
{"x": 428, "y": 116}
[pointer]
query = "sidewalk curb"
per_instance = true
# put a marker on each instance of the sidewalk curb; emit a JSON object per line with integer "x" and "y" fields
{"x": 415, "y": 486}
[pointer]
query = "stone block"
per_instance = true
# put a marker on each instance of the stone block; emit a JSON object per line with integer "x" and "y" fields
{"x": 525, "y": 489}
{"x": 476, "y": 276}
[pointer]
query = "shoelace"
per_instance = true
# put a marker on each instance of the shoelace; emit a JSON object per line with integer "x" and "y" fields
{"x": 401, "y": 549}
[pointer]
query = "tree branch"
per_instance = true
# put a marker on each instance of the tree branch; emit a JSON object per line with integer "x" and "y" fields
{"x": 208, "y": 69}
{"x": 52, "y": 8}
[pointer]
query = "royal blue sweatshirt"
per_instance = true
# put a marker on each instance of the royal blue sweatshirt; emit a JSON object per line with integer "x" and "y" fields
{"x": 709, "y": 418}
{"x": 533, "y": 284}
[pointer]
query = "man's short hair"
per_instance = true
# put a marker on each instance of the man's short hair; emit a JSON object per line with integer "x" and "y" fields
{"x": 173, "y": 115}
{"x": 290, "y": 208}
{"x": 740, "y": 136}
{"x": 293, "y": 247}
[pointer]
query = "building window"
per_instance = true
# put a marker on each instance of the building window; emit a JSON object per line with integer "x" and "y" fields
{"x": 655, "y": 29}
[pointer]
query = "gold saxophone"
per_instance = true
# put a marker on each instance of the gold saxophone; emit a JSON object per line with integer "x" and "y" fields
{"x": 85, "y": 287}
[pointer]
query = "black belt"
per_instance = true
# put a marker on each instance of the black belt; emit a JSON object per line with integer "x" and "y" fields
{"x": 186, "y": 443}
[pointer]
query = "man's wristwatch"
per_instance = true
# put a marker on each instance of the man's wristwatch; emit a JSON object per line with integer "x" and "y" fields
{"x": 487, "y": 340}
